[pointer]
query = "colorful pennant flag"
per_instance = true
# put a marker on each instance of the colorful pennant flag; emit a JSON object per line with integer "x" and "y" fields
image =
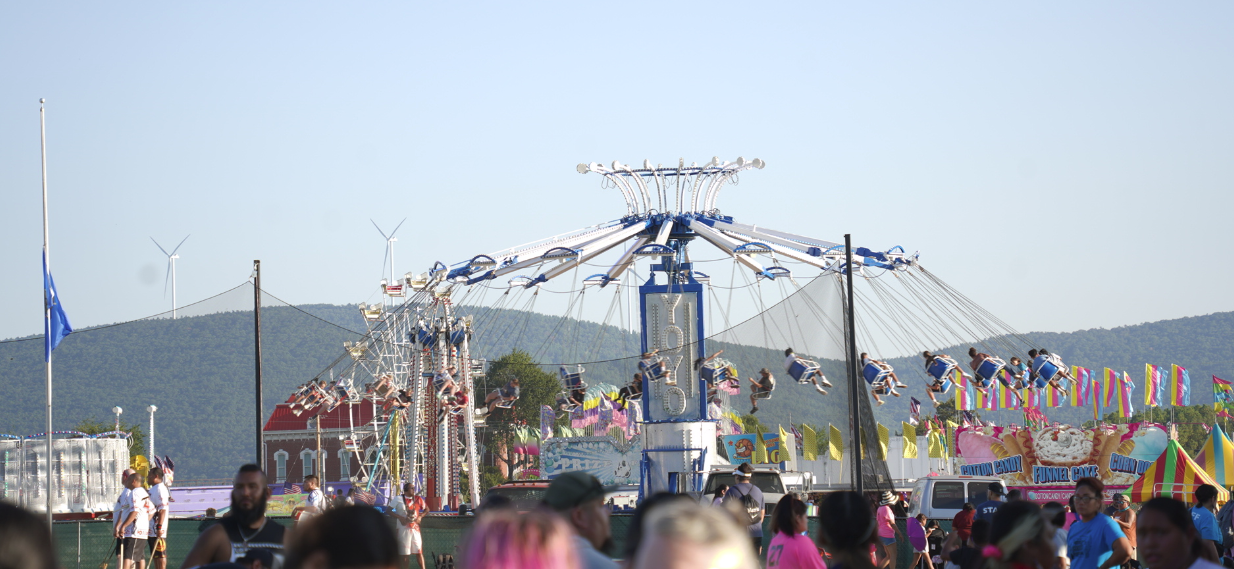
{"x": 1126, "y": 389}
{"x": 809, "y": 443}
{"x": 1223, "y": 394}
{"x": 1083, "y": 386}
{"x": 965, "y": 394}
{"x": 1053, "y": 397}
{"x": 910, "y": 440}
{"x": 992, "y": 396}
{"x": 1180, "y": 386}
{"x": 1109, "y": 387}
{"x": 1031, "y": 397}
{"x": 1154, "y": 385}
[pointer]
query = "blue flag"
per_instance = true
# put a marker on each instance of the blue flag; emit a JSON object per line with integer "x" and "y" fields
{"x": 56, "y": 324}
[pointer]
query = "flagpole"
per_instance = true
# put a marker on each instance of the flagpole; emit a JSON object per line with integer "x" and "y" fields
{"x": 46, "y": 304}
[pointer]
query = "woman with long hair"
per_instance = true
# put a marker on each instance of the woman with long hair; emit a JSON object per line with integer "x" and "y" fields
{"x": 790, "y": 548}
{"x": 1167, "y": 537}
{"x": 1020, "y": 538}
{"x": 847, "y": 530}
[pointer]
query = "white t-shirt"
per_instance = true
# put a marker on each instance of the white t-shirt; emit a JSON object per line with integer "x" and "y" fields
{"x": 115, "y": 512}
{"x": 315, "y": 498}
{"x": 788, "y": 361}
{"x": 1060, "y": 542}
{"x": 1201, "y": 563}
{"x": 160, "y": 499}
{"x": 136, "y": 500}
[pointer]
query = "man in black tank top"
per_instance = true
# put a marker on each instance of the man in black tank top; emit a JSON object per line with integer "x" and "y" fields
{"x": 245, "y": 528}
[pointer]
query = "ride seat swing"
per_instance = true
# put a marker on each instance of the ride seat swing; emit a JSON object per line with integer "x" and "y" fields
{"x": 875, "y": 373}
{"x": 572, "y": 379}
{"x": 566, "y": 404}
{"x": 803, "y": 370}
{"x": 654, "y": 369}
{"x": 1047, "y": 367}
{"x": 718, "y": 370}
{"x": 990, "y": 368}
{"x": 766, "y": 395}
{"x": 941, "y": 370}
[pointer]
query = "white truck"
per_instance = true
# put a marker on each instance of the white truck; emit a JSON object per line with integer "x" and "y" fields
{"x": 773, "y": 482}
{"x": 942, "y": 497}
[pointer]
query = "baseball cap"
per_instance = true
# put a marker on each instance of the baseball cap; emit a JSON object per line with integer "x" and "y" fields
{"x": 571, "y": 489}
{"x": 996, "y": 488}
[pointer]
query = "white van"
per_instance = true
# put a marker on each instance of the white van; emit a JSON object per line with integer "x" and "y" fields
{"x": 942, "y": 497}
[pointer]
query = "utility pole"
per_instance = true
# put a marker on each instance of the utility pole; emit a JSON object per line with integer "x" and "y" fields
{"x": 317, "y": 468}
{"x": 854, "y": 390}
{"x": 261, "y": 459}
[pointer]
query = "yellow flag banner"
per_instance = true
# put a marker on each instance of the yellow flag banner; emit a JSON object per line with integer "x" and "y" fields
{"x": 835, "y": 444}
{"x": 809, "y": 443}
{"x": 934, "y": 446}
{"x": 760, "y": 448}
{"x": 787, "y": 445}
{"x": 884, "y": 439}
{"x": 910, "y": 440}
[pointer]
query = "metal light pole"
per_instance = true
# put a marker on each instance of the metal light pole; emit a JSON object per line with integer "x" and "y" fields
{"x": 150, "y": 446}
{"x": 117, "y": 410}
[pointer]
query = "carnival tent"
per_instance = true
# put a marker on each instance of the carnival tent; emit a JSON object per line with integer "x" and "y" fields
{"x": 1217, "y": 458}
{"x": 1174, "y": 474}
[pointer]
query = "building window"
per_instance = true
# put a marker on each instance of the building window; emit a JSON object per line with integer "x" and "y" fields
{"x": 344, "y": 465}
{"x": 307, "y": 458}
{"x": 280, "y": 466}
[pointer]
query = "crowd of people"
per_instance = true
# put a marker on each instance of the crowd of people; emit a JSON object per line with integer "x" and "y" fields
{"x": 571, "y": 530}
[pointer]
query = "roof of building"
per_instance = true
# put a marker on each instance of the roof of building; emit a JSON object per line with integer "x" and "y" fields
{"x": 344, "y": 416}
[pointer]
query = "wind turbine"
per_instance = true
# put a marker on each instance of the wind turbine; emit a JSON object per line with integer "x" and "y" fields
{"x": 171, "y": 272}
{"x": 390, "y": 239}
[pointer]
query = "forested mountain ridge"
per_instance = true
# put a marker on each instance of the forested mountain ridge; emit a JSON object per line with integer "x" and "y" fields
{"x": 199, "y": 370}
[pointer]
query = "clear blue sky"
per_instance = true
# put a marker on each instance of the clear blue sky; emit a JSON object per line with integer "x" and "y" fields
{"x": 1066, "y": 165}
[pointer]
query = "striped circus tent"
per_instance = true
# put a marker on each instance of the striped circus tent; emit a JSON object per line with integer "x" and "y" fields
{"x": 1217, "y": 458}
{"x": 1174, "y": 474}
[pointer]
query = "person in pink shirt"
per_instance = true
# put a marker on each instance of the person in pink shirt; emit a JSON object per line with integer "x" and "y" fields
{"x": 887, "y": 529}
{"x": 790, "y": 548}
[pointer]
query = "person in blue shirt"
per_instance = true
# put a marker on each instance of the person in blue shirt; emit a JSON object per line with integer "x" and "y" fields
{"x": 1205, "y": 522}
{"x": 1095, "y": 541}
{"x": 986, "y": 509}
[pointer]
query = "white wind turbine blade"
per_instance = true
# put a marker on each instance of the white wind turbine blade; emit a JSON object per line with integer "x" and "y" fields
{"x": 166, "y": 277}
{"x": 186, "y": 238}
{"x": 400, "y": 224}
{"x": 385, "y": 255}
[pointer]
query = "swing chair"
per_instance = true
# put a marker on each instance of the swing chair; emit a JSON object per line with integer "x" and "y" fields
{"x": 1047, "y": 367}
{"x": 941, "y": 370}
{"x": 718, "y": 370}
{"x": 876, "y": 373}
{"x": 990, "y": 369}
{"x": 564, "y": 403}
{"x": 572, "y": 379}
{"x": 654, "y": 369}
{"x": 803, "y": 370}
{"x": 766, "y": 395}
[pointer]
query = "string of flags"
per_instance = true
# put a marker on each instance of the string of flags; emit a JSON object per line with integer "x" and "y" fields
{"x": 1107, "y": 391}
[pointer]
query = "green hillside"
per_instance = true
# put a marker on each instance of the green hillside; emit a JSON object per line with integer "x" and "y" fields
{"x": 199, "y": 370}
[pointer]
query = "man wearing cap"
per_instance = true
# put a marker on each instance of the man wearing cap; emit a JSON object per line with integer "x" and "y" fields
{"x": 1124, "y": 516}
{"x": 741, "y": 488}
{"x": 986, "y": 509}
{"x": 579, "y": 498}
